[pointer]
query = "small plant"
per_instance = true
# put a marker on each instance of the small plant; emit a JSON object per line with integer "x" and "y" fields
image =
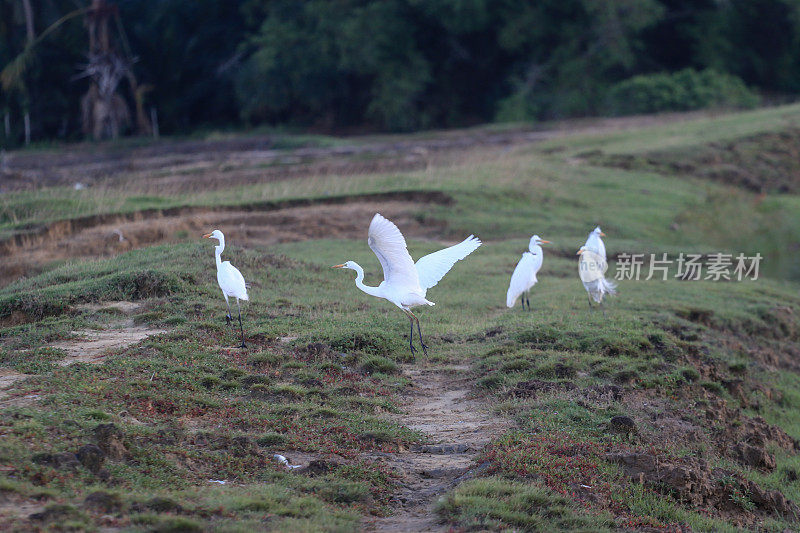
{"x": 376, "y": 363}
{"x": 271, "y": 439}
{"x": 690, "y": 374}
{"x": 713, "y": 387}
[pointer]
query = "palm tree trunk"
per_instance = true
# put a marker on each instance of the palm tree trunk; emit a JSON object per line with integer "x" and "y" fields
{"x": 27, "y": 120}
{"x": 26, "y": 7}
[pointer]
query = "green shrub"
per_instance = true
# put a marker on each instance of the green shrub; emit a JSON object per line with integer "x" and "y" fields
{"x": 680, "y": 91}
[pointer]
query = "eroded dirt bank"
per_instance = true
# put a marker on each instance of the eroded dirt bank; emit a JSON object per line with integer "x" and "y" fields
{"x": 260, "y": 224}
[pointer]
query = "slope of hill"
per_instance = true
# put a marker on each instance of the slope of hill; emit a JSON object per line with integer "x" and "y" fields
{"x": 125, "y": 406}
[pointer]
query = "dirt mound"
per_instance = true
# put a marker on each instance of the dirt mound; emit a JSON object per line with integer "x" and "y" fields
{"x": 695, "y": 482}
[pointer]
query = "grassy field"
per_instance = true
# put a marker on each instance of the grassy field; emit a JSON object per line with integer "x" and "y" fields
{"x": 703, "y": 377}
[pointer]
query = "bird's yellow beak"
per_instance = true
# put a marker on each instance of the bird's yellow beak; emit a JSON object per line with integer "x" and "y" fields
{"x": 337, "y": 266}
{"x": 545, "y": 242}
{"x": 602, "y": 234}
{"x": 579, "y": 252}
{"x": 207, "y": 236}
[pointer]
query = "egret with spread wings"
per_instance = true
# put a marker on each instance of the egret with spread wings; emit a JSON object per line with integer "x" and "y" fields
{"x": 406, "y": 284}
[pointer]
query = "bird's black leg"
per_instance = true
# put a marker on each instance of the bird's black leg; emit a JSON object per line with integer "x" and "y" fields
{"x": 411, "y": 336}
{"x": 240, "y": 323}
{"x": 228, "y": 317}
{"x": 590, "y": 301}
{"x": 421, "y": 342}
{"x": 522, "y": 301}
{"x": 603, "y": 308}
{"x": 528, "y": 300}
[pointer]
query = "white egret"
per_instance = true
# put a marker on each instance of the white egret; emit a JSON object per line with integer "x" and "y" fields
{"x": 595, "y": 244}
{"x": 594, "y": 264}
{"x": 230, "y": 280}
{"x": 406, "y": 284}
{"x": 592, "y": 268}
{"x": 524, "y": 276}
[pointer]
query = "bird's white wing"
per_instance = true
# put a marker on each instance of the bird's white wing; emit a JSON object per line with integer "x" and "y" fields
{"x": 432, "y": 267}
{"x": 521, "y": 278}
{"x": 231, "y": 281}
{"x": 389, "y": 245}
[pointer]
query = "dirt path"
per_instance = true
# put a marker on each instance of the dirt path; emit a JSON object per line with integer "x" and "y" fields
{"x": 92, "y": 347}
{"x": 458, "y": 428}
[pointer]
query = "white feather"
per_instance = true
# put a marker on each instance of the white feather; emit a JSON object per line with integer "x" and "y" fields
{"x": 389, "y": 245}
{"x": 598, "y": 288}
{"x": 523, "y": 278}
{"x": 595, "y": 244}
{"x": 231, "y": 281}
{"x": 432, "y": 267}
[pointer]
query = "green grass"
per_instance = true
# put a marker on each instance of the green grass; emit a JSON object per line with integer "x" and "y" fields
{"x": 323, "y": 360}
{"x": 494, "y": 504}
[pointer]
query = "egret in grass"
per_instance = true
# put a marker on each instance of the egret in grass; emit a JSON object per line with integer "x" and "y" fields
{"x": 230, "y": 280}
{"x": 524, "y": 276}
{"x": 406, "y": 284}
{"x": 592, "y": 267}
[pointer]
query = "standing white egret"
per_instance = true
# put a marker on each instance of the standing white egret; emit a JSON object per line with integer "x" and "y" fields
{"x": 524, "y": 276}
{"x": 595, "y": 244}
{"x": 230, "y": 280}
{"x": 406, "y": 284}
{"x": 592, "y": 268}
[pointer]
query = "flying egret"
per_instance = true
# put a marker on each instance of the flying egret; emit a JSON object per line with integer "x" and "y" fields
{"x": 524, "y": 276}
{"x": 230, "y": 279}
{"x": 405, "y": 284}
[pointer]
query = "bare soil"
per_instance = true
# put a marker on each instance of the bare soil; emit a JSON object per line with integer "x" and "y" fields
{"x": 457, "y": 426}
{"x": 93, "y": 346}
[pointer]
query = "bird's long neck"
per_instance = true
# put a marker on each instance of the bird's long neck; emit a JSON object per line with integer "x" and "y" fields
{"x": 373, "y": 291}
{"x": 536, "y": 249}
{"x": 218, "y": 252}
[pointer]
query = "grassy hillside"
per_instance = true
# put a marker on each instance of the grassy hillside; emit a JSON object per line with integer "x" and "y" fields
{"x": 678, "y": 406}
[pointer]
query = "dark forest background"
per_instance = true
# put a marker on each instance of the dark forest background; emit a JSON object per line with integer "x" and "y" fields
{"x": 400, "y": 65}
